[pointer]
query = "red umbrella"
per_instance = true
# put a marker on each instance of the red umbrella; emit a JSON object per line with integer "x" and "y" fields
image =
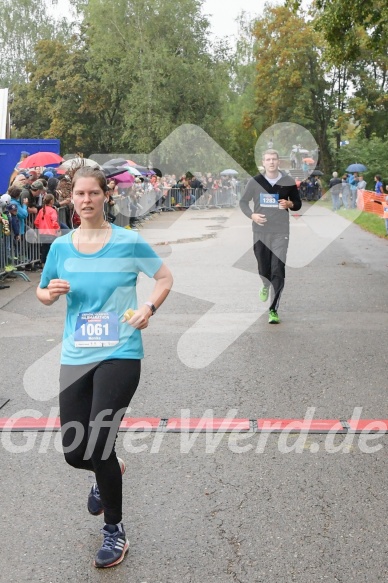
{"x": 41, "y": 159}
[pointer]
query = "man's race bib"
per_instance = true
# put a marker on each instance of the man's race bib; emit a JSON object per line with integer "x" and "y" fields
{"x": 96, "y": 330}
{"x": 269, "y": 200}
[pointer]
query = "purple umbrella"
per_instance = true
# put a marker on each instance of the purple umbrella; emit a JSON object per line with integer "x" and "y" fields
{"x": 125, "y": 178}
{"x": 144, "y": 170}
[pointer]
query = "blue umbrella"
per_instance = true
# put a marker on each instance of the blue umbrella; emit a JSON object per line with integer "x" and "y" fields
{"x": 356, "y": 168}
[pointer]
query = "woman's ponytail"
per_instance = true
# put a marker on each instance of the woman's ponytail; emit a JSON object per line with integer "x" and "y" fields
{"x": 46, "y": 200}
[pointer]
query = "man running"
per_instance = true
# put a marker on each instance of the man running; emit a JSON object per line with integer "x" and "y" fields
{"x": 272, "y": 192}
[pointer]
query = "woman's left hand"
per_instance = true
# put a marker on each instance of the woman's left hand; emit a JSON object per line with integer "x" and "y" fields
{"x": 140, "y": 318}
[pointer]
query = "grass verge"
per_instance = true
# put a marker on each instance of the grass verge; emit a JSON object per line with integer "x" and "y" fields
{"x": 367, "y": 221}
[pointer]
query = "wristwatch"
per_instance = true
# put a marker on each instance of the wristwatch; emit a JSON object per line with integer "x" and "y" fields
{"x": 151, "y": 307}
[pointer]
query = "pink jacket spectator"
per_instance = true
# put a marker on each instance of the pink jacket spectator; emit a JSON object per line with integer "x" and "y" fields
{"x": 47, "y": 221}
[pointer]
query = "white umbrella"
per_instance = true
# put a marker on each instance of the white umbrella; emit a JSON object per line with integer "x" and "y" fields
{"x": 73, "y": 162}
{"x": 132, "y": 170}
{"x": 229, "y": 172}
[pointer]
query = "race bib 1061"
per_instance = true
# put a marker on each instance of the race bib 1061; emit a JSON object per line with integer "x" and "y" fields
{"x": 96, "y": 330}
{"x": 269, "y": 200}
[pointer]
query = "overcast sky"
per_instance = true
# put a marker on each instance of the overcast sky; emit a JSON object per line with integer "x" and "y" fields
{"x": 223, "y": 14}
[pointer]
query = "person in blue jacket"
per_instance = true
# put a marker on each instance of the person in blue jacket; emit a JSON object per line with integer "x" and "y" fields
{"x": 353, "y": 181}
{"x": 96, "y": 268}
{"x": 22, "y": 212}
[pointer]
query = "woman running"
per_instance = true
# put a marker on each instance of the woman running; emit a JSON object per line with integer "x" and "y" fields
{"x": 96, "y": 267}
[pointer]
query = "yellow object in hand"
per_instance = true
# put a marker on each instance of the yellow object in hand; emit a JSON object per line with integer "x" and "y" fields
{"x": 129, "y": 313}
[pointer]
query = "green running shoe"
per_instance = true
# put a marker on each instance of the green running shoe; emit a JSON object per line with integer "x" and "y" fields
{"x": 273, "y": 317}
{"x": 263, "y": 293}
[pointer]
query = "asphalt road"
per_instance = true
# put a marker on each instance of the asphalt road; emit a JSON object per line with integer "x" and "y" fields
{"x": 216, "y": 508}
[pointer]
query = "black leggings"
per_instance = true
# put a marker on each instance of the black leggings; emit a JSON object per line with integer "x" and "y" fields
{"x": 93, "y": 400}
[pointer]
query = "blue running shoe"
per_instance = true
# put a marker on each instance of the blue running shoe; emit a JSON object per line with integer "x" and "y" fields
{"x": 94, "y": 501}
{"x": 113, "y": 548}
{"x": 95, "y": 506}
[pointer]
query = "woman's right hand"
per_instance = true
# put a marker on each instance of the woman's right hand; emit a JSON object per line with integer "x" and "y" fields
{"x": 58, "y": 287}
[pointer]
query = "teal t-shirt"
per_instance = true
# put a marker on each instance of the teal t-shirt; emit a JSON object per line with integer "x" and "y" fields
{"x": 101, "y": 283}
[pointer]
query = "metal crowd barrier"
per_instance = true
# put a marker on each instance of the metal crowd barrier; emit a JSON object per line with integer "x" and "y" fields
{"x": 149, "y": 202}
{"x": 131, "y": 213}
{"x": 16, "y": 255}
{"x": 200, "y": 198}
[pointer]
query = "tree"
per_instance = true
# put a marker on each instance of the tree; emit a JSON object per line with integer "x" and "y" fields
{"x": 126, "y": 81}
{"x": 157, "y": 53}
{"x": 64, "y": 100}
{"x": 368, "y": 104}
{"x": 341, "y": 21}
{"x": 22, "y": 25}
{"x": 357, "y": 43}
{"x": 239, "y": 101}
{"x": 293, "y": 82}
{"x": 372, "y": 153}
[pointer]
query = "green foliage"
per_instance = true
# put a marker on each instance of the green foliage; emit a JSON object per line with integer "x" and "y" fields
{"x": 22, "y": 25}
{"x": 62, "y": 99}
{"x": 341, "y": 21}
{"x": 240, "y": 136}
{"x": 292, "y": 81}
{"x": 372, "y": 153}
{"x": 137, "y": 70}
{"x": 154, "y": 54}
{"x": 356, "y": 40}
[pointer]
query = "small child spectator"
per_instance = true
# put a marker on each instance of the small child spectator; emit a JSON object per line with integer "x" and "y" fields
{"x": 15, "y": 228}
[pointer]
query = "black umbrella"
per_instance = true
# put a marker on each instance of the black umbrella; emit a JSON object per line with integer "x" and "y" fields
{"x": 157, "y": 172}
{"x": 115, "y": 162}
{"x": 111, "y": 171}
{"x": 316, "y": 173}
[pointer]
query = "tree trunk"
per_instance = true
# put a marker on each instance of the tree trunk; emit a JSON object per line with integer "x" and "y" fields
{"x": 325, "y": 160}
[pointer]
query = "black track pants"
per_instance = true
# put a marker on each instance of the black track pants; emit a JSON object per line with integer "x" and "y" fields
{"x": 271, "y": 252}
{"x": 93, "y": 400}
